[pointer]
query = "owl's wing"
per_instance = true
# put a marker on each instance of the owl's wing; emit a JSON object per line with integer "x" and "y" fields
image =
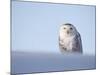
{"x": 61, "y": 44}
{"x": 78, "y": 43}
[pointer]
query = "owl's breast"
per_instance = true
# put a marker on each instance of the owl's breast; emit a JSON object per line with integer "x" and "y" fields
{"x": 68, "y": 43}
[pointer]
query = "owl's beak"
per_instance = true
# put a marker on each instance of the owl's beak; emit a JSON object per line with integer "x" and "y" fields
{"x": 67, "y": 32}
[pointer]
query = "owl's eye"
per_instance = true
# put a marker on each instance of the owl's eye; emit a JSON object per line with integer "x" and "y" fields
{"x": 64, "y": 28}
{"x": 71, "y": 28}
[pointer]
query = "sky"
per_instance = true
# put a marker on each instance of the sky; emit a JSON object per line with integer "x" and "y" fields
{"x": 35, "y": 26}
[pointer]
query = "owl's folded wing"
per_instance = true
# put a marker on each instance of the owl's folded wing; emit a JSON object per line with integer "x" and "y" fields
{"x": 77, "y": 46}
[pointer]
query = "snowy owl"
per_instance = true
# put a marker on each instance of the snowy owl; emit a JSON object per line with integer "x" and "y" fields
{"x": 69, "y": 39}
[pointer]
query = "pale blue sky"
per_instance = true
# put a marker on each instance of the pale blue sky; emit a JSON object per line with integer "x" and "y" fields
{"x": 35, "y": 26}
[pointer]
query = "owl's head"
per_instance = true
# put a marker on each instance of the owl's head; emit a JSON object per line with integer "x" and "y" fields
{"x": 68, "y": 29}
